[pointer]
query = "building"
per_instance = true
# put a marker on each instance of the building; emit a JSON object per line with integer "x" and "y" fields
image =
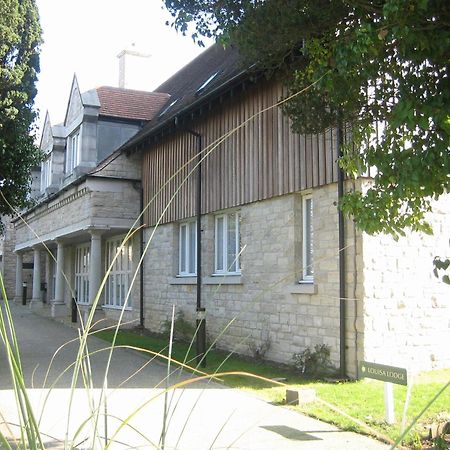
{"x": 83, "y": 209}
{"x": 269, "y": 263}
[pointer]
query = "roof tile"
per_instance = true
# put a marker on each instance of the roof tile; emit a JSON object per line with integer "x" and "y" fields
{"x": 129, "y": 103}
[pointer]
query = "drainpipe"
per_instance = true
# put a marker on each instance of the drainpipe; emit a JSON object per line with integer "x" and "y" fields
{"x": 201, "y": 311}
{"x": 341, "y": 225}
{"x": 141, "y": 252}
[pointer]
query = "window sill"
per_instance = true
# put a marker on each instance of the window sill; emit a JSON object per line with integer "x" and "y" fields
{"x": 211, "y": 280}
{"x": 83, "y": 303}
{"x": 117, "y": 308}
{"x": 183, "y": 279}
{"x": 304, "y": 287}
{"x": 223, "y": 279}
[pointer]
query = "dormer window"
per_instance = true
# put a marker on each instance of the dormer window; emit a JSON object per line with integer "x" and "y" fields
{"x": 164, "y": 111}
{"x": 73, "y": 152}
{"x": 206, "y": 82}
{"x": 46, "y": 173}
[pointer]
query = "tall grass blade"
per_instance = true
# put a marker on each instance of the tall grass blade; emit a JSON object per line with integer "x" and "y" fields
{"x": 414, "y": 421}
{"x": 165, "y": 413}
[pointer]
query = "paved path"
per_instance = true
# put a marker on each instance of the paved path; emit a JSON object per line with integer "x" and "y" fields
{"x": 201, "y": 416}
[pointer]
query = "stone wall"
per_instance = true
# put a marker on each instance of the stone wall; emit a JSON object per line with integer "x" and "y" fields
{"x": 70, "y": 210}
{"x": 96, "y": 203}
{"x": 266, "y": 304}
{"x": 122, "y": 166}
{"x": 407, "y": 309}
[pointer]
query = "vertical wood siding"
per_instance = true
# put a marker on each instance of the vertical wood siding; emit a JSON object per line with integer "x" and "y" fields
{"x": 262, "y": 158}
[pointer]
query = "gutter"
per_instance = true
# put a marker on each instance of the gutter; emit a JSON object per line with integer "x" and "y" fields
{"x": 200, "y": 311}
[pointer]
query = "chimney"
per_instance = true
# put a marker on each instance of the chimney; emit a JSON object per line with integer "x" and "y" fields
{"x": 132, "y": 65}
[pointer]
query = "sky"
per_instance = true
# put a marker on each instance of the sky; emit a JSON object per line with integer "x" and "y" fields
{"x": 85, "y": 37}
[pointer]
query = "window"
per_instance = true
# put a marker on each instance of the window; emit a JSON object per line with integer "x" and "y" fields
{"x": 119, "y": 279}
{"x": 228, "y": 244}
{"x": 206, "y": 82}
{"x": 167, "y": 108}
{"x": 73, "y": 152}
{"x": 46, "y": 173}
{"x": 187, "y": 265}
{"x": 82, "y": 256}
{"x": 308, "y": 238}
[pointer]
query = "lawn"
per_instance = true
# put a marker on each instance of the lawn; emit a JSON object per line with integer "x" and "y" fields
{"x": 363, "y": 400}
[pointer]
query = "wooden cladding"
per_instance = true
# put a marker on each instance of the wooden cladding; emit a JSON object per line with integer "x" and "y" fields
{"x": 248, "y": 156}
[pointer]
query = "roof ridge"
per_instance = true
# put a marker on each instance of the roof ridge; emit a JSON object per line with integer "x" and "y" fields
{"x": 127, "y": 90}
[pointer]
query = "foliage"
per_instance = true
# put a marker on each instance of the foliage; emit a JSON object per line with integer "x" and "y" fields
{"x": 444, "y": 265}
{"x": 314, "y": 362}
{"x": 183, "y": 329}
{"x": 20, "y": 37}
{"x": 259, "y": 351}
{"x": 386, "y": 79}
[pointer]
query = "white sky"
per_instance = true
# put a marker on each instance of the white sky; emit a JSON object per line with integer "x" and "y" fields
{"x": 85, "y": 36}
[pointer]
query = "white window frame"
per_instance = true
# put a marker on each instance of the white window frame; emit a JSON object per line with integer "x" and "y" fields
{"x": 46, "y": 173}
{"x": 82, "y": 261}
{"x": 187, "y": 263}
{"x": 308, "y": 238}
{"x": 73, "y": 152}
{"x": 119, "y": 279}
{"x": 221, "y": 243}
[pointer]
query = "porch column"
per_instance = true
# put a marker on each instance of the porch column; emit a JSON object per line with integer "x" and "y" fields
{"x": 58, "y": 298}
{"x": 95, "y": 265}
{"x": 37, "y": 294}
{"x": 48, "y": 276}
{"x": 19, "y": 277}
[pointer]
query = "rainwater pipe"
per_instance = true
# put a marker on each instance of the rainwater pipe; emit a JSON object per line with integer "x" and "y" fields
{"x": 200, "y": 311}
{"x": 141, "y": 253}
{"x": 341, "y": 242}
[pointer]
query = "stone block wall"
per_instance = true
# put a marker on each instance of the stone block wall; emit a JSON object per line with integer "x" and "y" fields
{"x": 113, "y": 199}
{"x": 70, "y": 209}
{"x": 406, "y": 308}
{"x": 266, "y": 304}
{"x": 122, "y": 166}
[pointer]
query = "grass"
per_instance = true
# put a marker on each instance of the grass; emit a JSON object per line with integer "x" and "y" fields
{"x": 363, "y": 400}
{"x": 217, "y": 361}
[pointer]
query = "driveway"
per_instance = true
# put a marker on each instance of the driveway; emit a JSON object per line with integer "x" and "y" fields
{"x": 199, "y": 416}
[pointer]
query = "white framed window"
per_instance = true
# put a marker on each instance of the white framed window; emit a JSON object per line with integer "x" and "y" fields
{"x": 73, "y": 152}
{"x": 82, "y": 257}
{"x": 119, "y": 278}
{"x": 187, "y": 256}
{"x": 228, "y": 243}
{"x": 308, "y": 239}
{"x": 46, "y": 173}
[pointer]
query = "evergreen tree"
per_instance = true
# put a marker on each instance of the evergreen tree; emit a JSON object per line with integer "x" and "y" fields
{"x": 20, "y": 37}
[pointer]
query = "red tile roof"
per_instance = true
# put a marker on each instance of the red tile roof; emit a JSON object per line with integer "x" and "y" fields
{"x": 130, "y": 104}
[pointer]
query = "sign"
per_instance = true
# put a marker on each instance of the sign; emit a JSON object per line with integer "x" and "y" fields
{"x": 381, "y": 372}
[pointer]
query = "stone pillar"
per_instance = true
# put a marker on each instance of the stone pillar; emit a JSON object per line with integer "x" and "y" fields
{"x": 36, "y": 299}
{"x": 59, "y": 282}
{"x": 58, "y": 297}
{"x": 48, "y": 275}
{"x": 19, "y": 277}
{"x": 95, "y": 265}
